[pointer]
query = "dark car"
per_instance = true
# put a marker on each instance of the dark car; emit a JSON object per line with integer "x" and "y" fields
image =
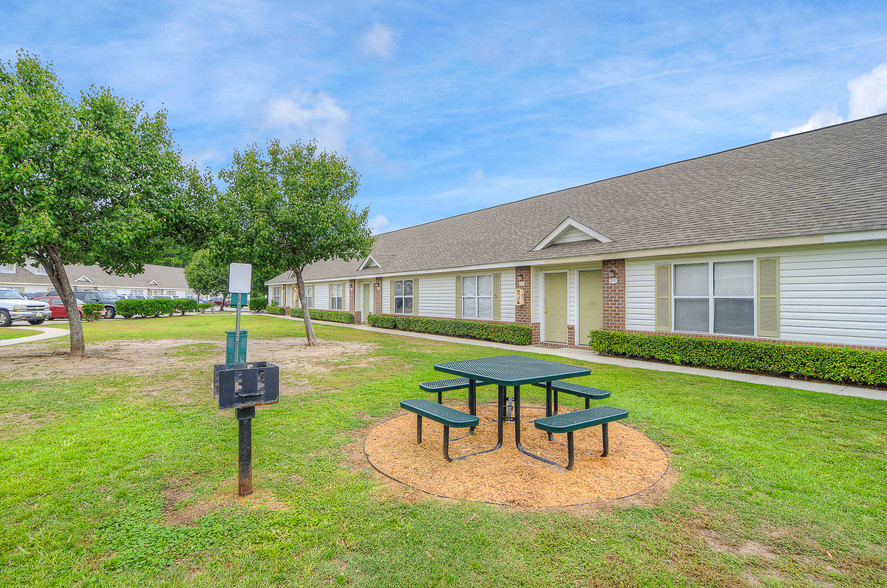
{"x": 107, "y": 299}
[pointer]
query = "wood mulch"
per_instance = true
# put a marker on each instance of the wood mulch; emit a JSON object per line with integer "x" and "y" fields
{"x": 506, "y": 476}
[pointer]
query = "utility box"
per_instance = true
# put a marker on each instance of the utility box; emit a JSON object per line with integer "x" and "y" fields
{"x": 241, "y": 385}
{"x": 229, "y": 347}
{"x": 241, "y": 299}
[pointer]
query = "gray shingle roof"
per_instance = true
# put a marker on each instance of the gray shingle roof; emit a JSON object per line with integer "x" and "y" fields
{"x": 833, "y": 180}
{"x": 172, "y": 278}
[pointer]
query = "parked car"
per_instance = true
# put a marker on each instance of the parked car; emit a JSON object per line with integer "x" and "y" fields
{"x": 104, "y": 298}
{"x": 15, "y": 307}
{"x": 57, "y": 308}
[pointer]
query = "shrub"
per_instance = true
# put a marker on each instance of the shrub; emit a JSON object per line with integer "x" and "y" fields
{"x": 833, "y": 364}
{"x": 335, "y": 316}
{"x": 129, "y": 307}
{"x": 92, "y": 311}
{"x": 499, "y": 332}
{"x": 274, "y": 309}
{"x": 258, "y": 303}
{"x": 203, "y": 306}
{"x": 184, "y": 305}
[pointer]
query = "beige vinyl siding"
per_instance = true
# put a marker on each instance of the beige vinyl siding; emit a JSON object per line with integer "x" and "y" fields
{"x": 768, "y": 297}
{"x": 663, "y": 294}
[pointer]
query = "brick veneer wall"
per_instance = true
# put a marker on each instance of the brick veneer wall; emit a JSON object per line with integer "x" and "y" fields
{"x": 614, "y": 295}
{"x": 523, "y": 313}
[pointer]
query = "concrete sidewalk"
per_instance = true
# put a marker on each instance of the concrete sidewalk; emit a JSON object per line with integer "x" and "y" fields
{"x": 591, "y": 356}
{"x": 47, "y": 333}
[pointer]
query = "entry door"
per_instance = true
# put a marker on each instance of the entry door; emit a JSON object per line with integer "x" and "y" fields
{"x": 556, "y": 308}
{"x": 591, "y": 301}
{"x": 367, "y": 301}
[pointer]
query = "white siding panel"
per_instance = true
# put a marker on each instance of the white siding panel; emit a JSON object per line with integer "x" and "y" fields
{"x": 835, "y": 295}
{"x": 640, "y": 295}
{"x": 322, "y": 296}
{"x": 572, "y": 298}
{"x": 506, "y": 289}
{"x": 386, "y": 296}
{"x": 437, "y": 296}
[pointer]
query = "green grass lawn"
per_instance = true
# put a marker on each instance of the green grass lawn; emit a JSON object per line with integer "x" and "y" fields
{"x": 129, "y": 477}
{"x": 16, "y": 333}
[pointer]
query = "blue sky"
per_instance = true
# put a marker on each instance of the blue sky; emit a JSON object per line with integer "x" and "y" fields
{"x": 449, "y": 107}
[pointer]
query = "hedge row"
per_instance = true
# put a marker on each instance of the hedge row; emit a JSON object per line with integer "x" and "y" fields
{"x": 275, "y": 309}
{"x": 336, "y": 316}
{"x": 92, "y": 310}
{"x": 131, "y": 307}
{"x": 499, "y": 332}
{"x": 833, "y": 364}
{"x": 258, "y": 303}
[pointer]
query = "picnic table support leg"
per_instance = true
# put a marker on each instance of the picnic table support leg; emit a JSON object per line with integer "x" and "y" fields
{"x": 606, "y": 437}
{"x": 517, "y": 429}
{"x": 446, "y": 443}
{"x": 472, "y": 401}
{"x": 571, "y": 453}
{"x": 548, "y": 412}
{"x": 418, "y": 428}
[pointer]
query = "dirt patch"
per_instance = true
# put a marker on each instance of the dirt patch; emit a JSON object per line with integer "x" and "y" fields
{"x": 505, "y": 476}
{"x": 165, "y": 355}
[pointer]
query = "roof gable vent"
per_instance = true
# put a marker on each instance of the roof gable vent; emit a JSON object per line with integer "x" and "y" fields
{"x": 83, "y": 279}
{"x": 571, "y": 231}
{"x": 368, "y": 263}
{"x": 153, "y": 283}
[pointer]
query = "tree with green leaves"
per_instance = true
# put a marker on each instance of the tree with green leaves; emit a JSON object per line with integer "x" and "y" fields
{"x": 89, "y": 181}
{"x": 206, "y": 274}
{"x": 289, "y": 206}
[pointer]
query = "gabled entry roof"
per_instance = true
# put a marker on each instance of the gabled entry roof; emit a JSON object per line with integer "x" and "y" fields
{"x": 571, "y": 231}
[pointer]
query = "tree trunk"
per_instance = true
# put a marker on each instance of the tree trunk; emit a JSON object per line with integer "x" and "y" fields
{"x": 309, "y": 330}
{"x": 55, "y": 269}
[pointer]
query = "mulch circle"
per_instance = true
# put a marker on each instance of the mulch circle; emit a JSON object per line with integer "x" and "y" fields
{"x": 506, "y": 476}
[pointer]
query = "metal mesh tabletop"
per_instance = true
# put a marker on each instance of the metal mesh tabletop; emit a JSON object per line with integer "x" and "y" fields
{"x": 511, "y": 370}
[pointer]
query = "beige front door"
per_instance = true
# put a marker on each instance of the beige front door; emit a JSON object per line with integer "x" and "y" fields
{"x": 367, "y": 301}
{"x": 591, "y": 314}
{"x": 556, "y": 308}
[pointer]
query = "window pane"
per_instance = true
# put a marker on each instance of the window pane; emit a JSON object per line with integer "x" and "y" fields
{"x": 398, "y": 288}
{"x": 408, "y": 287}
{"x": 408, "y": 305}
{"x": 735, "y": 317}
{"x": 691, "y": 315}
{"x": 485, "y": 308}
{"x": 469, "y": 307}
{"x": 691, "y": 279}
{"x": 485, "y": 285}
{"x": 398, "y": 306}
{"x": 469, "y": 286}
{"x": 734, "y": 279}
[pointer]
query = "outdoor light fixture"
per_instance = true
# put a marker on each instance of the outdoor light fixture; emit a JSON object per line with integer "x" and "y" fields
{"x": 612, "y": 275}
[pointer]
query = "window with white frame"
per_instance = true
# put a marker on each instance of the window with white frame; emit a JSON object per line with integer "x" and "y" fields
{"x": 403, "y": 296}
{"x": 715, "y": 297}
{"x": 7, "y": 268}
{"x": 477, "y": 297}
{"x": 336, "y": 297}
{"x": 275, "y": 295}
{"x": 309, "y": 296}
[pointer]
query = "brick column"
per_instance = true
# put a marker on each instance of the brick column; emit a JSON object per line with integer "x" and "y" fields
{"x": 614, "y": 295}
{"x": 523, "y": 313}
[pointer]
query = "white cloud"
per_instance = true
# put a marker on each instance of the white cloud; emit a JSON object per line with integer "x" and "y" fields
{"x": 868, "y": 97}
{"x": 379, "y": 40}
{"x": 378, "y": 224}
{"x": 309, "y": 116}
{"x": 823, "y": 118}
{"x": 476, "y": 178}
{"x": 868, "y": 93}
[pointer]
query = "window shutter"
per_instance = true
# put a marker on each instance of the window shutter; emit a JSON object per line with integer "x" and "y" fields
{"x": 415, "y": 296}
{"x": 391, "y": 296}
{"x": 768, "y": 297}
{"x": 458, "y": 297}
{"x": 329, "y": 303}
{"x": 663, "y": 297}
{"x": 497, "y": 297}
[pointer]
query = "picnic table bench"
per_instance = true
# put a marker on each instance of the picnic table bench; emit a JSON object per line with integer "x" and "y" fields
{"x": 569, "y": 422}
{"x": 448, "y": 417}
{"x": 586, "y": 392}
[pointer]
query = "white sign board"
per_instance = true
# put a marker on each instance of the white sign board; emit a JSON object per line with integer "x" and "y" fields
{"x": 240, "y": 278}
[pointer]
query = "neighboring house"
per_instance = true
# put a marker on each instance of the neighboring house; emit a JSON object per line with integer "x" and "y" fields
{"x": 784, "y": 240}
{"x": 154, "y": 281}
